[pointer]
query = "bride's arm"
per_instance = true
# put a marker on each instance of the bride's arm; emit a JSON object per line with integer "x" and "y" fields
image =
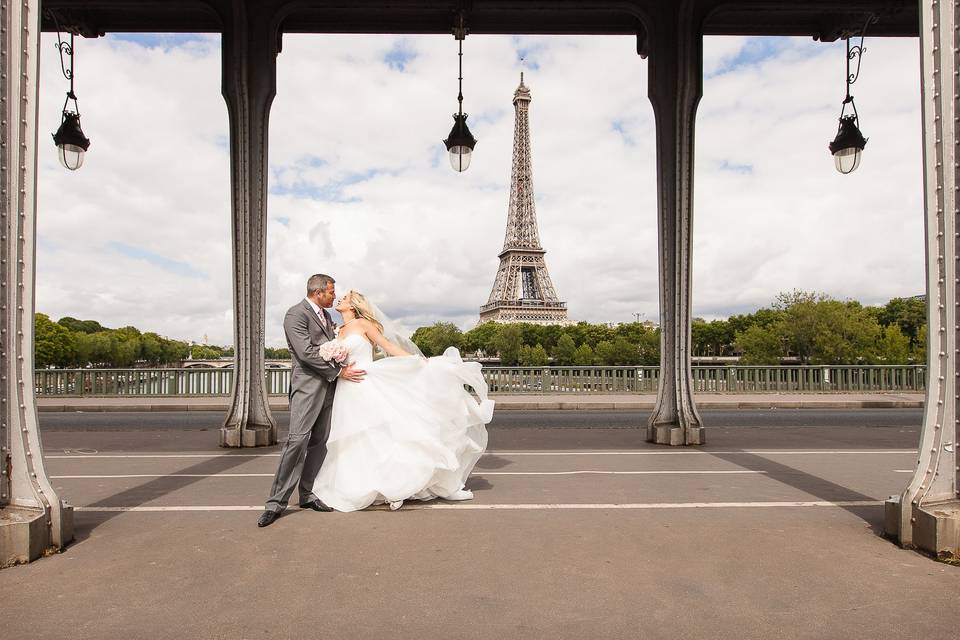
{"x": 377, "y": 338}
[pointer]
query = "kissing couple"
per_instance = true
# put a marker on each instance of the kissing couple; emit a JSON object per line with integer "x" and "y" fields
{"x": 369, "y": 431}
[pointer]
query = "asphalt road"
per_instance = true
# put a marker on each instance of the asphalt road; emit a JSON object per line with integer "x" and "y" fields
{"x": 206, "y": 420}
{"x": 773, "y": 529}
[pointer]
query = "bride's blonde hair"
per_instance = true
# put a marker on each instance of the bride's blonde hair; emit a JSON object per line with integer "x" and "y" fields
{"x": 360, "y": 306}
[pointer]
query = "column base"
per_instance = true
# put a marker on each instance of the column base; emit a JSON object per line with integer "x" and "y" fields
{"x": 25, "y": 536}
{"x": 675, "y": 436}
{"x": 249, "y": 435}
{"x": 935, "y": 526}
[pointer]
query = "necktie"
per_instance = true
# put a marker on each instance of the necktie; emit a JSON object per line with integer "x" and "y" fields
{"x": 323, "y": 318}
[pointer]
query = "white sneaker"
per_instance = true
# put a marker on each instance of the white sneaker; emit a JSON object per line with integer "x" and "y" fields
{"x": 463, "y": 494}
{"x": 396, "y": 505}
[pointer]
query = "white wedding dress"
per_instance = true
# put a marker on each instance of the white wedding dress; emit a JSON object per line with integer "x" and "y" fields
{"x": 408, "y": 430}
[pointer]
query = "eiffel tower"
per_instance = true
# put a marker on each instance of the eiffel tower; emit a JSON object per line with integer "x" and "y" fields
{"x": 522, "y": 290}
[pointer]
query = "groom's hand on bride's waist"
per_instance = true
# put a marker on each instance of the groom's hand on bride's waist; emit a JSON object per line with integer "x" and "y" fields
{"x": 352, "y": 374}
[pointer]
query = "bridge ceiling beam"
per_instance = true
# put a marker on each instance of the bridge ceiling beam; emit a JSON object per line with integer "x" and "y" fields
{"x": 820, "y": 19}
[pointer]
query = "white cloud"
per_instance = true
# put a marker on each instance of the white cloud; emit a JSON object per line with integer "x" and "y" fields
{"x": 361, "y": 188}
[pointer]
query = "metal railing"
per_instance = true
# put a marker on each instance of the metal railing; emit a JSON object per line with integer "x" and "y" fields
{"x": 148, "y": 382}
{"x": 514, "y": 380}
{"x": 709, "y": 379}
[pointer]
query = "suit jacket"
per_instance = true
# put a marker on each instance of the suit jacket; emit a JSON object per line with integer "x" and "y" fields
{"x": 312, "y": 378}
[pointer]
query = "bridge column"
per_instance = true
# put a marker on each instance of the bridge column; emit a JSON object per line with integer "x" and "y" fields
{"x": 33, "y": 518}
{"x": 927, "y": 514}
{"x": 250, "y": 47}
{"x": 675, "y": 43}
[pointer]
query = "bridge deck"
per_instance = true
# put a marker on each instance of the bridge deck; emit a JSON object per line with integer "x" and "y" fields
{"x": 574, "y": 532}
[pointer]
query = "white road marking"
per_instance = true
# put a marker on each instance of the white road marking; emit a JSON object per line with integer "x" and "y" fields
{"x": 482, "y": 473}
{"x": 478, "y": 473}
{"x": 515, "y": 507}
{"x": 165, "y": 455}
{"x": 903, "y": 470}
{"x": 697, "y": 452}
{"x": 167, "y": 475}
{"x": 700, "y": 452}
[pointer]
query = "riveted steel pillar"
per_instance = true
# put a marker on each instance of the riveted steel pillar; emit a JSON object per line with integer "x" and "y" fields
{"x": 927, "y": 514}
{"x": 675, "y": 86}
{"x": 250, "y": 47}
{"x": 33, "y": 518}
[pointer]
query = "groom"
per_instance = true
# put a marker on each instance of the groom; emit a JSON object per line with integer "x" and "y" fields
{"x": 312, "y": 385}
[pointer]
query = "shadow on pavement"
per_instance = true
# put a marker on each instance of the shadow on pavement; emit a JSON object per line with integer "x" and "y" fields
{"x": 159, "y": 487}
{"x": 808, "y": 483}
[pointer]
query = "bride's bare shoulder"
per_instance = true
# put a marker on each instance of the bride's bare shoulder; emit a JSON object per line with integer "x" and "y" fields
{"x": 366, "y": 325}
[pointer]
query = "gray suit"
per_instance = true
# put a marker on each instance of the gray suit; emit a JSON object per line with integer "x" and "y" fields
{"x": 312, "y": 386}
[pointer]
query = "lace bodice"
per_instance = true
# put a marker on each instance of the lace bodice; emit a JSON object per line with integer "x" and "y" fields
{"x": 359, "y": 349}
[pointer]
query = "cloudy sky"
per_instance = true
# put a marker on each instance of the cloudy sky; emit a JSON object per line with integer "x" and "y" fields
{"x": 360, "y": 186}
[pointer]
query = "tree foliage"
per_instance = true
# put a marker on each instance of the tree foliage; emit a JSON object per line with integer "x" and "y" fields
{"x": 434, "y": 340}
{"x": 817, "y": 329}
{"x": 70, "y": 342}
{"x": 803, "y": 326}
{"x": 581, "y": 344}
{"x": 533, "y": 356}
{"x": 507, "y": 342}
{"x": 565, "y": 351}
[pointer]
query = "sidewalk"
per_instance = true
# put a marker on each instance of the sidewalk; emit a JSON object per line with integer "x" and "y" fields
{"x": 574, "y": 402}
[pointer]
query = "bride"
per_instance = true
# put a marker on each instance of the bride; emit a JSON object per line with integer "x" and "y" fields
{"x": 409, "y": 430}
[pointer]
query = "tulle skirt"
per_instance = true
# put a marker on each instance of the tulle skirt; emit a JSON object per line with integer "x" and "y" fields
{"x": 409, "y": 430}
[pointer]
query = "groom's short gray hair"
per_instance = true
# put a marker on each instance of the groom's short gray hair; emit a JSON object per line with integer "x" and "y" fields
{"x": 318, "y": 282}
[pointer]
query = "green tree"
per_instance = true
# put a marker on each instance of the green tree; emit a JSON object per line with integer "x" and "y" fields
{"x": 533, "y": 356}
{"x": 698, "y": 336}
{"x": 910, "y": 314}
{"x": 507, "y": 343}
{"x": 80, "y": 326}
{"x": 632, "y": 331}
{"x": 591, "y": 334}
{"x": 583, "y": 356}
{"x": 54, "y": 343}
{"x": 894, "y": 347}
{"x": 617, "y": 352}
{"x": 127, "y": 352}
{"x": 565, "y": 351}
{"x": 205, "y": 352}
{"x": 481, "y": 338}
{"x": 606, "y": 353}
{"x": 919, "y": 352}
{"x": 628, "y": 354}
{"x": 844, "y": 333}
{"x": 759, "y": 345}
{"x": 649, "y": 348}
{"x": 435, "y": 339}
{"x": 800, "y": 320}
{"x": 151, "y": 348}
{"x": 96, "y": 349}
{"x": 175, "y": 350}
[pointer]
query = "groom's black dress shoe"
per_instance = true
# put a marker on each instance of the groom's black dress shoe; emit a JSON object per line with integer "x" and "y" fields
{"x": 316, "y": 505}
{"x": 267, "y": 518}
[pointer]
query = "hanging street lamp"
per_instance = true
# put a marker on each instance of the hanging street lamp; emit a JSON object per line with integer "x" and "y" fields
{"x": 847, "y": 147}
{"x": 460, "y": 142}
{"x": 69, "y": 138}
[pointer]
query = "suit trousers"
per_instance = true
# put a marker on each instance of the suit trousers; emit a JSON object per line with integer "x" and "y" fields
{"x": 301, "y": 458}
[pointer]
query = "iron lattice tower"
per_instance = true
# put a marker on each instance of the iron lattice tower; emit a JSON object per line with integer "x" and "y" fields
{"x": 522, "y": 290}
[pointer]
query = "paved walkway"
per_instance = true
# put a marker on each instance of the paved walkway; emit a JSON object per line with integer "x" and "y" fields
{"x": 578, "y": 402}
{"x": 573, "y": 533}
